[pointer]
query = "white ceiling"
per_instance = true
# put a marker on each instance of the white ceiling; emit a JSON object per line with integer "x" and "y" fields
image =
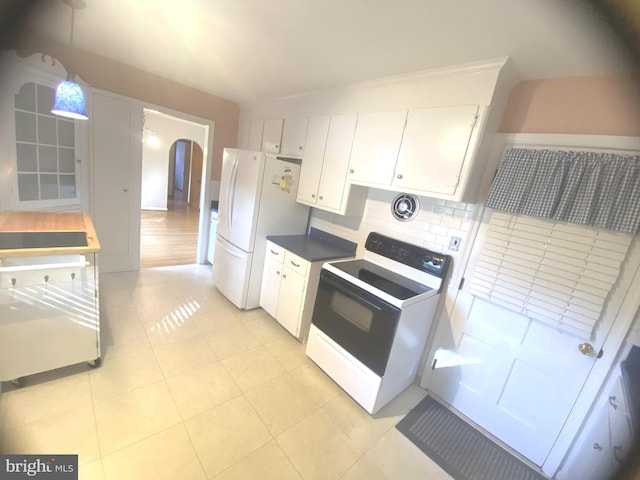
{"x": 253, "y": 49}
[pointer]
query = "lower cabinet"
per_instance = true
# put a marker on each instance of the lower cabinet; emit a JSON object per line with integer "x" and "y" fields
{"x": 289, "y": 286}
{"x": 605, "y": 441}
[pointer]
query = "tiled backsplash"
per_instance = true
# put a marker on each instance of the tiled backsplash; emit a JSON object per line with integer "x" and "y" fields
{"x": 436, "y": 222}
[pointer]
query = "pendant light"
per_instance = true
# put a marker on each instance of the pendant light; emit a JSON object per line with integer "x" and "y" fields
{"x": 69, "y": 100}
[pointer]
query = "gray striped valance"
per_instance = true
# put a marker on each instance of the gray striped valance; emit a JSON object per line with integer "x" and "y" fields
{"x": 598, "y": 189}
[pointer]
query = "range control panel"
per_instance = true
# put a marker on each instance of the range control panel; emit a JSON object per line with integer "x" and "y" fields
{"x": 417, "y": 257}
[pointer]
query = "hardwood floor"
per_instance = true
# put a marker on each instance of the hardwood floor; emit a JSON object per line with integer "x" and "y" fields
{"x": 169, "y": 237}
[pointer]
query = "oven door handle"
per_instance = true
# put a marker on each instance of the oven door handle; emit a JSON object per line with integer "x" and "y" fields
{"x": 343, "y": 287}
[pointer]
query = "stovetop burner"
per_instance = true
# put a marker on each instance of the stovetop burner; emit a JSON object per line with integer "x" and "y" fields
{"x": 383, "y": 279}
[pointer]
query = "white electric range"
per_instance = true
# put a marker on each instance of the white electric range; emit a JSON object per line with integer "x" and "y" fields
{"x": 372, "y": 318}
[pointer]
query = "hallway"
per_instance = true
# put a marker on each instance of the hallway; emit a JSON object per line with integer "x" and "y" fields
{"x": 169, "y": 237}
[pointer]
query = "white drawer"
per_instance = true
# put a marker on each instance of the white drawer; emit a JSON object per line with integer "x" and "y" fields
{"x": 29, "y": 271}
{"x": 296, "y": 263}
{"x": 275, "y": 252}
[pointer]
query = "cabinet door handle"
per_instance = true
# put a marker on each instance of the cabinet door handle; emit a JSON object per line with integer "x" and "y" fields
{"x": 277, "y": 146}
{"x": 351, "y": 170}
{"x": 275, "y": 253}
{"x": 612, "y": 402}
{"x": 297, "y": 265}
{"x": 320, "y": 197}
{"x": 284, "y": 276}
{"x": 277, "y": 272}
{"x": 313, "y": 195}
{"x": 399, "y": 176}
{"x": 596, "y": 446}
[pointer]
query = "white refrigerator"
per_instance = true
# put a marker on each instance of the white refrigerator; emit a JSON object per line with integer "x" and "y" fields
{"x": 257, "y": 198}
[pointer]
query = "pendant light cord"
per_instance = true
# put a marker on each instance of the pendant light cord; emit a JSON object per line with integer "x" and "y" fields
{"x": 70, "y": 75}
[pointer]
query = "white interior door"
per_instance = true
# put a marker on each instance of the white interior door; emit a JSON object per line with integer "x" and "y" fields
{"x": 116, "y": 164}
{"x": 516, "y": 377}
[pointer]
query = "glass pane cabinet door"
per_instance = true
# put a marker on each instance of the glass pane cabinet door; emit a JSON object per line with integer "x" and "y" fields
{"x": 45, "y": 150}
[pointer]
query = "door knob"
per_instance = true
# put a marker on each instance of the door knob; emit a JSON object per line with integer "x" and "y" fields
{"x": 588, "y": 350}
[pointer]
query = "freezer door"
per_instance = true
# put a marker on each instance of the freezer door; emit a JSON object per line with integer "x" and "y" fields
{"x": 240, "y": 189}
{"x": 231, "y": 271}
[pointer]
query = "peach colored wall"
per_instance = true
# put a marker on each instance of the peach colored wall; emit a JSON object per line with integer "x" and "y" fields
{"x": 598, "y": 105}
{"x": 105, "y": 74}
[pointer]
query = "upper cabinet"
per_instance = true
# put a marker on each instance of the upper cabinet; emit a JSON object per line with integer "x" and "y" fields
{"x": 294, "y": 133}
{"x": 272, "y": 135}
{"x": 434, "y": 148}
{"x": 255, "y": 136}
{"x": 424, "y": 151}
{"x": 250, "y": 135}
{"x": 323, "y": 178}
{"x": 275, "y": 136}
{"x": 375, "y": 148}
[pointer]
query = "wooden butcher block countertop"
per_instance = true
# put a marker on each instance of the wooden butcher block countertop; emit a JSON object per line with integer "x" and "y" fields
{"x": 46, "y": 233}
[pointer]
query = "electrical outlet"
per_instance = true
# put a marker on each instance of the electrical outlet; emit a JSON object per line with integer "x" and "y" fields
{"x": 454, "y": 244}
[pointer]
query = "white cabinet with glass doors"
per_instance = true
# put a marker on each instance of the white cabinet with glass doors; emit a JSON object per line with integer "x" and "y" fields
{"x": 45, "y": 151}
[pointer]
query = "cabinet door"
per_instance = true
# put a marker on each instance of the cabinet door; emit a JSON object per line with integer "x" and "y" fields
{"x": 244, "y": 128}
{"x": 270, "y": 289}
{"x": 336, "y": 161}
{"x": 375, "y": 147}
{"x": 590, "y": 458}
{"x": 313, "y": 157}
{"x": 290, "y": 300}
{"x": 434, "y": 148}
{"x": 255, "y": 136}
{"x": 294, "y": 133}
{"x": 272, "y": 135}
{"x": 620, "y": 427}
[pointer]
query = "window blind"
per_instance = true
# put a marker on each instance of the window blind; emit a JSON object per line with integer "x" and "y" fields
{"x": 557, "y": 273}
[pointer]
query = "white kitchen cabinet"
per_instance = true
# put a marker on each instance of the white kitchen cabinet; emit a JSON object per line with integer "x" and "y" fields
{"x": 293, "y": 283}
{"x": 311, "y": 170}
{"x": 434, "y": 148}
{"x": 272, "y": 135}
{"x": 294, "y": 133}
{"x": 605, "y": 441}
{"x": 289, "y": 286}
{"x": 242, "y": 141}
{"x": 270, "y": 287}
{"x": 425, "y": 151}
{"x": 255, "y": 136}
{"x": 323, "y": 178}
{"x": 375, "y": 147}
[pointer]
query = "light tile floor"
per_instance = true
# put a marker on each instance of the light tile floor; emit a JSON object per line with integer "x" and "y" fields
{"x": 192, "y": 388}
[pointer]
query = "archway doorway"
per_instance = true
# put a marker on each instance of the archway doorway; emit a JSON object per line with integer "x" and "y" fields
{"x": 170, "y": 236}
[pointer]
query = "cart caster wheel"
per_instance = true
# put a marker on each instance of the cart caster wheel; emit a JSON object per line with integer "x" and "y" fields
{"x": 17, "y": 382}
{"x": 94, "y": 363}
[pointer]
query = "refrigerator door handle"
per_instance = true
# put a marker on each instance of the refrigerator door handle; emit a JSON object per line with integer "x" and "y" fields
{"x": 230, "y": 251}
{"x": 232, "y": 192}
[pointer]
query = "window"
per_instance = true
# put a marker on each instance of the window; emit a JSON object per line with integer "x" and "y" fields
{"x": 45, "y": 147}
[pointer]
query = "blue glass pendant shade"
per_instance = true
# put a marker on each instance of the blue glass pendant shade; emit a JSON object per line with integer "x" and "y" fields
{"x": 69, "y": 101}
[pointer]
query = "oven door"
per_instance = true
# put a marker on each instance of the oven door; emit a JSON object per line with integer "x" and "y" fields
{"x": 361, "y": 323}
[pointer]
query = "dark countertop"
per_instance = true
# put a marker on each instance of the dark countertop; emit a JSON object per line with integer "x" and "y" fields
{"x": 317, "y": 246}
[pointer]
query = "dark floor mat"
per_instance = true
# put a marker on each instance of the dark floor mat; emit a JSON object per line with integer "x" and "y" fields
{"x": 461, "y": 450}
